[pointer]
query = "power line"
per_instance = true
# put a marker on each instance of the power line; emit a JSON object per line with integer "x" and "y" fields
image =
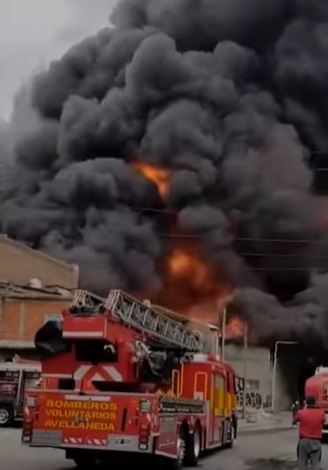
{"x": 242, "y": 239}
{"x": 280, "y": 240}
{"x": 318, "y": 152}
{"x": 280, "y": 255}
{"x": 245, "y": 239}
{"x": 304, "y": 268}
{"x": 153, "y": 209}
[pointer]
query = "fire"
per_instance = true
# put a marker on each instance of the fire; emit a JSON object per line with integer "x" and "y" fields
{"x": 195, "y": 288}
{"x": 192, "y": 285}
{"x": 159, "y": 176}
{"x": 185, "y": 265}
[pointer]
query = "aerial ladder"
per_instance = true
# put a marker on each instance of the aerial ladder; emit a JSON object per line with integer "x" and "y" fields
{"x": 140, "y": 316}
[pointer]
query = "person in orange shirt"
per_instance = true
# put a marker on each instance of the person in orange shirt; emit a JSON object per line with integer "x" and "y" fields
{"x": 310, "y": 419}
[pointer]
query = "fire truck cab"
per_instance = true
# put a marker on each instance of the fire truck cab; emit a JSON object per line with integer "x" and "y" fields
{"x": 120, "y": 378}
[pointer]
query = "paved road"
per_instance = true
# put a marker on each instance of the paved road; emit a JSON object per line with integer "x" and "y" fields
{"x": 14, "y": 456}
{"x": 266, "y": 451}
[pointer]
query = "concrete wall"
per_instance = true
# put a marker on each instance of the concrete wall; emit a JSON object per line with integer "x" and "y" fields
{"x": 19, "y": 264}
{"x": 256, "y": 366}
{"x": 258, "y": 373}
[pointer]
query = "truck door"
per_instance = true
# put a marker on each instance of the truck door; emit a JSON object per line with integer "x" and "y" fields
{"x": 217, "y": 408}
{"x": 8, "y": 393}
{"x": 8, "y": 386}
{"x": 28, "y": 379}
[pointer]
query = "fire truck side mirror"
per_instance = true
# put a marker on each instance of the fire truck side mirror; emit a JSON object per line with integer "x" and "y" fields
{"x": 110, "y": 348}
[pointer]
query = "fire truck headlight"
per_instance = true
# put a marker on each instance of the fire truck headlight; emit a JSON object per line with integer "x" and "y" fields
{"x": 31, "y": 402}
{"x": 145, "y": 406}
{"x": 144, "y": 437}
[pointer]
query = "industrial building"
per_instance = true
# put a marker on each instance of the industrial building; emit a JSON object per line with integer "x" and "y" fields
{"x": 270, "y": 378}
{"x": 23, "y": 310}
{"x": 255, "y": 366}
{"x": 33, "y": 288}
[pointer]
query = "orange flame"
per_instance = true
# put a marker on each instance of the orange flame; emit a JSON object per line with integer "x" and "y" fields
{"x": 184, "y": 265}
{"x": 195, "y": 288}
{"x": 192, "y": 286}
{"x": 158, "y": 176}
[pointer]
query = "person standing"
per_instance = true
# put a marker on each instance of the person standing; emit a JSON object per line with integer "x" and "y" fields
{"x": 310, "y": 419}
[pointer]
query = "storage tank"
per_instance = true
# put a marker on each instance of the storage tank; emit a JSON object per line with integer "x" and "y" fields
{"x": 317, "y": 385}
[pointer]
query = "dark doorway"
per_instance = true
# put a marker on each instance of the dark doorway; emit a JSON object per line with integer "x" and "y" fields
{"x": 295, "y": 363}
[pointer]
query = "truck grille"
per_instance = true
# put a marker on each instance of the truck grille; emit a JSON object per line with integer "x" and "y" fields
{"x": 47, "y": 438}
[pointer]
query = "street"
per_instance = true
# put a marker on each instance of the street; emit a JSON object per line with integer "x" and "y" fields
{"x": 263, "y": 451}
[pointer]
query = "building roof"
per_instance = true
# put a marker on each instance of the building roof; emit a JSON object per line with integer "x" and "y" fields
{"x": 18, "y": 291}
{"x": 23, "y": 247}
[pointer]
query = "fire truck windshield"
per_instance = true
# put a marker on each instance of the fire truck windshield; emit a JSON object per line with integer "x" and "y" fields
{"x": 95, "y": 351}
{"x": 87, "y": 311}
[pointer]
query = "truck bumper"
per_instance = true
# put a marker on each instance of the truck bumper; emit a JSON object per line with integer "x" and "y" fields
{"x": 117, "y": 443}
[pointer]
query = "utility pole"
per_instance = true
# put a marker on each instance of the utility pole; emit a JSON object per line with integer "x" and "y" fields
{"x": 215, "y": 347}
{"x": 274, "y": 370}
{"x": 245, "y": 367}
{"x": 223, "y": 334}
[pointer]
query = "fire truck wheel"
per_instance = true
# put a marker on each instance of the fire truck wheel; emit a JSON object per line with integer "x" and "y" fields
{"x": 177, "y": 464}
{"x": 181, "y": 450}
{"x": 231, "y": 440}
{"x": 193, "y": 447}
{"x": 83, "y": 463}
{"x": 6, "y": 416}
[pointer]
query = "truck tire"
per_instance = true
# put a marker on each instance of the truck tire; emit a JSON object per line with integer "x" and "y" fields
{"x": 231, "y": 441}
{"x": 232, "y": 433}
{"x": 6, "y": 416}
{"x": 193, "y": 447}
{"x": 85, "y": 463}
{"x": 81, "y": 463}
{"x": 178, "y": 462}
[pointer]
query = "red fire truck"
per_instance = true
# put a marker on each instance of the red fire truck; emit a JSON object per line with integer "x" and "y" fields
{"x": 120, "y": 378}
{"x": 15, "y": 378}
{"x": 317, "y": 385}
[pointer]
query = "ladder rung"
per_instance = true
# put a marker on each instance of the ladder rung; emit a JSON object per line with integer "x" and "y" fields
{"x": 141, "y": 316}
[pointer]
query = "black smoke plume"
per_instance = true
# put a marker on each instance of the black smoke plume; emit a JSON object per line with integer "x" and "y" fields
{"x": 231, "y": 97}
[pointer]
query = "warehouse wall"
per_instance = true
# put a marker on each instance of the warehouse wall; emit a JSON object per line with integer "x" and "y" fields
{"x": 19, "y": 321}
{"x": 258, "y": 377}
{"x": 256, "y": 364}
{"x": 21, "y": 318}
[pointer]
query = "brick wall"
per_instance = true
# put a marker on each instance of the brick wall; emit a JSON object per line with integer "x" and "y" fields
{"x": 19, "y": 264}
{"x": 21, "y": 318}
